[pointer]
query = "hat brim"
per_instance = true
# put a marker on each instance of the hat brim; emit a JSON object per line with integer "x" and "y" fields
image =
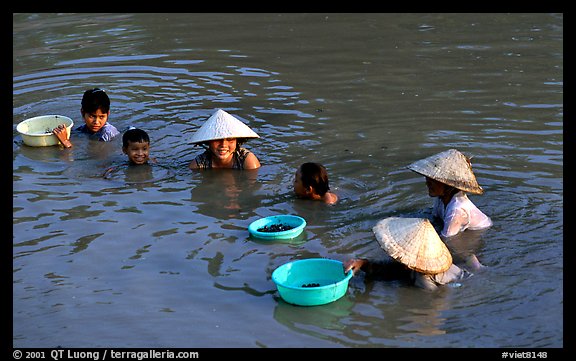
{"x": 413, "y": 242}
{"x": 222, "y": 125}
{"x": 449, "y": 167}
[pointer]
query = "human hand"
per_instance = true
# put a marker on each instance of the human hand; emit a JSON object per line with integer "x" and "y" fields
{"x": 353, "y": 264}
{"x": 62, "y": 134}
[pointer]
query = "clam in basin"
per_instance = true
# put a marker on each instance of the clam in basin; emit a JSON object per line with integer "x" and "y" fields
{"x": 277, "y": 227}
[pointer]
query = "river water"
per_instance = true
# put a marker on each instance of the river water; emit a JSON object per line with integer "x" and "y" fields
{"x": 163, "y": 258}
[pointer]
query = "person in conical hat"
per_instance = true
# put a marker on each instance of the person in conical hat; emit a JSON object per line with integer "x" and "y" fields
{"x": 449, "y": 177}
{"x": 414, "y": 243}
{"x": 222, "y": 136}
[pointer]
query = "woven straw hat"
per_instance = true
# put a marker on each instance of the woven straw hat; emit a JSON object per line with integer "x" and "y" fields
{"x": 449, "y": 167}
{"x": 222, "y": 125}
{"x": 413, "y": 242}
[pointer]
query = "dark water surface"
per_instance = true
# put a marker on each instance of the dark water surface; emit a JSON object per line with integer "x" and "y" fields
{"x": 162, "y": 257}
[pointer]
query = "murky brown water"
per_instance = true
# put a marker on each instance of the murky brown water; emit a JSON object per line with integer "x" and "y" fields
{"x": 163, "y": 258}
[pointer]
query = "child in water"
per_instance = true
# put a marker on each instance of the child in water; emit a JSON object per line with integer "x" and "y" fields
{"x": 95, "y": 110}
{"x": 136, "y": 145}
{"x": 416, "y": 253}
{"x": 311, "y": 182}
{"x": 222, "y": 137}
{"x": 449, "y": 177}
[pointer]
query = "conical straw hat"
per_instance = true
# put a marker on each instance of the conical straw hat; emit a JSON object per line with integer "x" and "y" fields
{"x": 222, "y": 125}
{"x": 449, "y": 167}
{"x": 413, "y": 242}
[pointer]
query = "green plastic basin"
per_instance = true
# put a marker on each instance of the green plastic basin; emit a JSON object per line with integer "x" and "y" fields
{"x": 297, "y": 223}
{"x": 311, "y": 282}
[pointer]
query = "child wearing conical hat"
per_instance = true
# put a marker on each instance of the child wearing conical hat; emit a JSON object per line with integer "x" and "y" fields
{"x": 413, "y": 244}
{"x": 222, "y": 136}
{"x": 448, "y": 177}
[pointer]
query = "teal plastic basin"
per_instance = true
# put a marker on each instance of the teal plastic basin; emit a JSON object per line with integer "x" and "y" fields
{"x": 325, "y": 275}
{"x": 298, "y": 224}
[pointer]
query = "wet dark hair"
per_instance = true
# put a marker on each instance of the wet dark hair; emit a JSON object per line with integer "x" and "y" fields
{"x": 134, "y": 135}
{"x": 315, "y": 175}
{"x": 94, "y": 99}
{"x": 241, "y": 141}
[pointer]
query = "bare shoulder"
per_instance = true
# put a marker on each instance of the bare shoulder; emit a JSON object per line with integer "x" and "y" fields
{"x": 251, "y": 161}
{"x": 193, "y": 164}
{"x": 331, "y": 198}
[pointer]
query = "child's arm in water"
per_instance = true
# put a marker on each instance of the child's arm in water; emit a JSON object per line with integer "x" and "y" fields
{"x": 62, "y": 134}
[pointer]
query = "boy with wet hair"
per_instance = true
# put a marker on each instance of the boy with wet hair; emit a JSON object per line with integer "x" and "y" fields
{"x": 95, "y": 110}
{"x": 136, "y": 145}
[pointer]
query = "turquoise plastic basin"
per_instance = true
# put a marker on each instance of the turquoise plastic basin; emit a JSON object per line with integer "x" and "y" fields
{"x": 327, "y": 277}
{"x": 298, "y": 224}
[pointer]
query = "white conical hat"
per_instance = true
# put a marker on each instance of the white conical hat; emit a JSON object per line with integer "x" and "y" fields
{"x": 222, "y": 125}
{"x": 449, "y": 167}
{"x": 413, "y": 242}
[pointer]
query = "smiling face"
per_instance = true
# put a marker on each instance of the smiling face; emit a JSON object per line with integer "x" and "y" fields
{"x": 137, "y": 152}
{"x": 223, "y": 150}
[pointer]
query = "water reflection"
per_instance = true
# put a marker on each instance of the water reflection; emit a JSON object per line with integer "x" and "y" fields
{"x": 425, "y": 318}
{"x": 44, "y": 154}
{"x": 397, "y": 309}
{"x": 86, "y": 159}
{"x": 315, "y": 320}
{"x": 225, "y": 193}
{"x": 141, "y": 175}
{"x": 466, "y": 244}
{"x": 95, "y": 150}
{"x": 365, "y": 94}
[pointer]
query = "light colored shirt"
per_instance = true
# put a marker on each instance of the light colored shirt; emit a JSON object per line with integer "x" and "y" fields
{"x": 459, "y": 215}
{"x": 105, "y": 134}
{"x": 431, "y": 282}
